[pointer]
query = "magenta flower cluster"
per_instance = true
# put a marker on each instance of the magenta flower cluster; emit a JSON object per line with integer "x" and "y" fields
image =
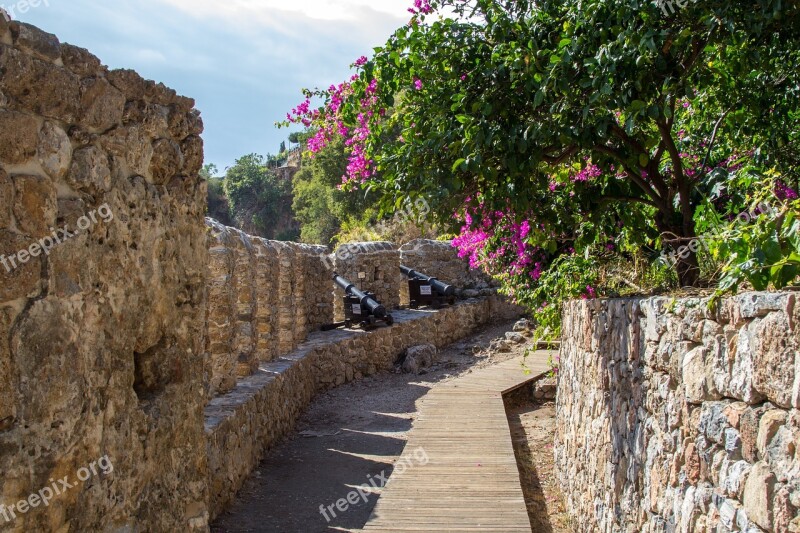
{"x": 331, "y": 126}
{"x": 588, "y": 173}
{"x": 498, "y": 243}
{"x": 421, "y": 7}
{"x": 784, "y": 192}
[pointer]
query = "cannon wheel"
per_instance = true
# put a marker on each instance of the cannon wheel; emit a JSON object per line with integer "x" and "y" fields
{"x": 389, "y": 320}
{"x": 348, "y": 324}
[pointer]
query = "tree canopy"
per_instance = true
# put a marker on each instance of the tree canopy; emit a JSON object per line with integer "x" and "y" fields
{"x": 561, "y": 131}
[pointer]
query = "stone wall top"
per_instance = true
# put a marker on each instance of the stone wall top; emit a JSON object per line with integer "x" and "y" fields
{"x": 365, "y": 247}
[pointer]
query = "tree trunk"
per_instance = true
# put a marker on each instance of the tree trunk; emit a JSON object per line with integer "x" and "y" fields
{"x": 684, "y": 244}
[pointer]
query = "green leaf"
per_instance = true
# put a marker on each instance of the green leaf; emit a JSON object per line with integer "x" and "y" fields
{"x": 459, "y": 165}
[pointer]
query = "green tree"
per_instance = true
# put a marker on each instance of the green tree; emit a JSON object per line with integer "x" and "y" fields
{"x": 320, "y": 206}
{"x": 260, "y": 201}
{"x": 623, "y": 110}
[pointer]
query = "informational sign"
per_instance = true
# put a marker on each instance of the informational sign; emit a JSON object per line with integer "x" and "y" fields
{"x": 425, "y": 290}
{"x": 356, "y": 309}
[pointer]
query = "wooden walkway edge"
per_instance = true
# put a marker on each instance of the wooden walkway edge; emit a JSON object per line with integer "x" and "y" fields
{"x": 462, "y": 472}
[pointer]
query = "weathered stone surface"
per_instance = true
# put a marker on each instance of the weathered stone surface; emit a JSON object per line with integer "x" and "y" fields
{"x": 522, "y": 325}
{"x": 90, "y": 170}
{"x": 167, "y": 160}
{"x": 35, "y": 205}
{"x": 82, "y": 62}
{"x": 776, "y": 348}
{"x": 649, "y": 437}
{"x": 17, "y": 279}
{"x": 34, "y": 41}
{"x": 101, "y": 341}
{"x": 419, "y": 358}
{"x": 515, "y": 337}
{"x": 5, "y": 31}
{"x": 6, "y": 199}
{"x": 192, "y": 150}
{"x": 758, "y": 495}
{"x": 102, "y": 105}
{"x": 54, "y": 150}
{"x": 697, "y": 380}
{"x": 18, "y": 137}
{"x": 38, "y": 86}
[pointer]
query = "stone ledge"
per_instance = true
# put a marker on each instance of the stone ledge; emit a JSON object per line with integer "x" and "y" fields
{"x": 246, "y": 422}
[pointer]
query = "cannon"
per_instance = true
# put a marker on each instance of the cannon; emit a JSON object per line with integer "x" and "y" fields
{"x": 426, "y": 291}
{"x": 361, "y": 308}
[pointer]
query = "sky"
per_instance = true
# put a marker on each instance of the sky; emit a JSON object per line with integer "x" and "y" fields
{"x": 243, "y": 61}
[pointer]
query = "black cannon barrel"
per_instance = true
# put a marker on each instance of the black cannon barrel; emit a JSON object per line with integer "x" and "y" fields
{"x": 377, "y": 309}
{"x": 442, "y": 288}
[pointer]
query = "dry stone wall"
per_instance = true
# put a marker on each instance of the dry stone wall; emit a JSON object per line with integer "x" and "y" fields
{"x": 102, "y": 293}
{"x": 672, "y": 417}
{"x": 379, "y": 262}
{"x": 439, "y": 259}
{"x": 264, "y": 299}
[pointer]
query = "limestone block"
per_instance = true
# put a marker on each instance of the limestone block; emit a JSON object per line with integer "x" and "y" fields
{"x": 102, "y": 105}
{"x": 35, "y": 206}
{"x": 34, "y": 41}
{"x": 54, "y": 150}
{"x": 39, "y": 87}
{"x": 90, "y": 170}
{"x": 776, "y": 348}
{"x": 18, "y": 137}
{"x": 167, "y": 160}
{"x": 758, "y": 495}
{"x": 82, "y": 62}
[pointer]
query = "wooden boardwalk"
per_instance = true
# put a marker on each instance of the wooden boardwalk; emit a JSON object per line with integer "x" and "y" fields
{"x": 470, "y": 481}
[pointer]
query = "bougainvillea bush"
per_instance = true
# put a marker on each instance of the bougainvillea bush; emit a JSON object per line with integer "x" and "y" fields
{"x": 573, "y": 142}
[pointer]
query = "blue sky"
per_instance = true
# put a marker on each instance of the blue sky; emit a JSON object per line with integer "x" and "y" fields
{"x": 243, "y": 61}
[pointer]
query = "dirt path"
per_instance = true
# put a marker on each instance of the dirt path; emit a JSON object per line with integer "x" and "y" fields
{"x": 532, "y": 429}
{"x": 350, "y": 436}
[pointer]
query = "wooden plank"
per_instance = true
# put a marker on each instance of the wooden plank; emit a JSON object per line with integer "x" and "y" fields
{"x": 471, "y": 481}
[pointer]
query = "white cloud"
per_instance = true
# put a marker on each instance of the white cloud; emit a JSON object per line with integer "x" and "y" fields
{"x": 272, "y": 13}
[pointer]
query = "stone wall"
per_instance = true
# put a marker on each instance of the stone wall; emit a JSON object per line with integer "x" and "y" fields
{"x": 379, "y": 262}
{"x": 264, "y": 299}
{"x": 440, "y": 260}
{"x": 243, "y": 424}
{"x": 672, "y": 417}
{"x": 102, "y": 293}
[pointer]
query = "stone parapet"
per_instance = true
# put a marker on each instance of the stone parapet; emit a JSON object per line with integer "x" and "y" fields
{"x": 102, "y": 293}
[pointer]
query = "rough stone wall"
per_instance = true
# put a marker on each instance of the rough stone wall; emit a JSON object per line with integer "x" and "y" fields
{"x": 380, "y": 261}
{"x": 440, "y": 260}
{"x": 675, "y": 418}
{"x": 243, "y": 424}
{"x": 264, "y": 299}
{"x": 318, "y": 286}
{"x": 101, "y": 335}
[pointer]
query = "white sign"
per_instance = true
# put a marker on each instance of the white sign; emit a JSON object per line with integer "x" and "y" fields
{"x": 425, "y": 290}
{"x": 356, "y": 309}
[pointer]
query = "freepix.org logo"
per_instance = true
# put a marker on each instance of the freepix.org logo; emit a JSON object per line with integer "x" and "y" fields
{"x": 13, "y": 11}
{"x": 58, "y": 236}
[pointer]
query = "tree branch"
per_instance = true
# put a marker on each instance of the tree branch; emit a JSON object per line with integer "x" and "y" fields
{"x": 563, "y": 156}
{"x": 645, "y": 201}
